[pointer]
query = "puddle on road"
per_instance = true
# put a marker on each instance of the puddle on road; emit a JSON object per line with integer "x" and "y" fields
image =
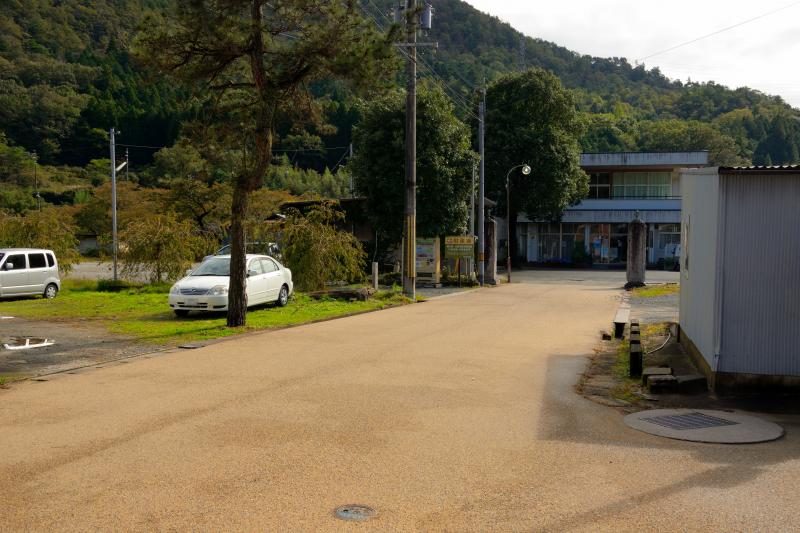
{"x": 27, "y": 343}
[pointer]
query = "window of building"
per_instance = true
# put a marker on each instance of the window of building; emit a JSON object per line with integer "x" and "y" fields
{"x": 599, "y": 242}
{"x": 641, "y": 185}
{"x": 618, "y": 247}
{"x": 600, "y": 185}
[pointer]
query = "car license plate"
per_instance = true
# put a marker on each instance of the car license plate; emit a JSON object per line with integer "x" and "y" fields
{"x": 191, "y": 301}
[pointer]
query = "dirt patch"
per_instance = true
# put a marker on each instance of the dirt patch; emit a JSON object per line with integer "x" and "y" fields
{"x": 75, "y": 344}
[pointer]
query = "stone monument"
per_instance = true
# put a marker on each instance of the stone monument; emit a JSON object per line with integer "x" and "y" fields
{"x": 637, "y": 253}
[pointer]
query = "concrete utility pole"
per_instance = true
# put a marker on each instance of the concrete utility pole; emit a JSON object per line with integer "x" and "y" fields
{"x": 413, "y": 22}
{"x": 127, "y": 166}
{"x": 410, "y": 225}
{"x": 471, "y": 231}
{"x": 352, "y": 184}
{"x": 113, "y": 146}
{"x": 35, "y": 158}
{"x": 482, "y": 193}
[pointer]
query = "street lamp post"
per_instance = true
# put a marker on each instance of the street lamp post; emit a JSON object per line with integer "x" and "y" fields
{"x": 526, "y": 170}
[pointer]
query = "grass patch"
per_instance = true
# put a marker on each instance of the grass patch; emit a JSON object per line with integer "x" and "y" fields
{"x": 142, "y": 312}
{"x": 5, "y": 380}
{"x": 629, "y": 388}
{"x": 653, "y": 291}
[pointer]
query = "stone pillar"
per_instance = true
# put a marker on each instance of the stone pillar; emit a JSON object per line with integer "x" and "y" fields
{"x": 491, "y": 252}
{"x": 637, "y": 253}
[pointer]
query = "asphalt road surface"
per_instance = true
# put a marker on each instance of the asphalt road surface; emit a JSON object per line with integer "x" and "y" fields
{"x": 456, "y": 414}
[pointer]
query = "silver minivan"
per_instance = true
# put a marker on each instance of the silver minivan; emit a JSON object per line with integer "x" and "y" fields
{"x": 27, "y": 272}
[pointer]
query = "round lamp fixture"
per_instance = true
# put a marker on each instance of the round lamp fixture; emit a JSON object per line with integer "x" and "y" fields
{"x": 526, "y": 169}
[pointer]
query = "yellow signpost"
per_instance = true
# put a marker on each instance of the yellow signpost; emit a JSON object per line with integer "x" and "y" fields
{"x": 458, "y": 248}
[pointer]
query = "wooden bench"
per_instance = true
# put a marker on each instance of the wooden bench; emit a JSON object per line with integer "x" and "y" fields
{"x": 620, "y": 319}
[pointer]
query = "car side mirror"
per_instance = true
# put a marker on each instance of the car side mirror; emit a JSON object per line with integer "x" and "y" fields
{"x": 188, "y": 271}
{"x": 9, "y": 266}
{"x": 251, "y": 273}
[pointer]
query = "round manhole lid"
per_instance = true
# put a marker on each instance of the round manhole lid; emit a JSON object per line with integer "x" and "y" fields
{"x": 355, "y": 512}
{"x": 702, "y": 425}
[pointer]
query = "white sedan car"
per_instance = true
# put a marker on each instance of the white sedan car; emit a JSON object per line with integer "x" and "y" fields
{"x": 206, "y": 288}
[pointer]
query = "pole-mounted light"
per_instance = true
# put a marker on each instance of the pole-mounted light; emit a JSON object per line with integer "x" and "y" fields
{"x": 526, "y": 170}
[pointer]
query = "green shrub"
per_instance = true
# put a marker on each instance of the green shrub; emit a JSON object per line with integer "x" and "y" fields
{"x": 159, "y": 246}
{"x": 317, "y": 252}
{"x": 49, "y": 229}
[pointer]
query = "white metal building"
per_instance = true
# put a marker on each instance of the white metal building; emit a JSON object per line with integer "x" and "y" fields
{"x": 740, "y": 274}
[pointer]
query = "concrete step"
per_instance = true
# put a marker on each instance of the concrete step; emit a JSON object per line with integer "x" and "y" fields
{"x": 654, "y": 371}
{"x": 662, "y": 384}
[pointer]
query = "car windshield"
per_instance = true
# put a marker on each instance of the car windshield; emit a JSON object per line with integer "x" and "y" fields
{"x": 216, "y": 266}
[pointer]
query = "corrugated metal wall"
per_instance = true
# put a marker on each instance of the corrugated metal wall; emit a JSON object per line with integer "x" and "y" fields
{"x": 699, "y": 258}
{"x": 760, "y": 285}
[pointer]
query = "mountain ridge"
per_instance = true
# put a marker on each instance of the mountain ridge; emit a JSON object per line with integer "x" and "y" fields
{"x": 66, "y": 76}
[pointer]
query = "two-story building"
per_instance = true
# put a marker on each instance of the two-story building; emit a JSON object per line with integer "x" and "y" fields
{"x": 621, "y": 184}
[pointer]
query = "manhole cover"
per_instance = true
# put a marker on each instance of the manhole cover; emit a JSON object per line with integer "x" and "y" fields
{"x": 191, "y": 346}
{"x": 689, "y": 421}
{"x": 358, "y": 513}
{"x": 703, "y": 425}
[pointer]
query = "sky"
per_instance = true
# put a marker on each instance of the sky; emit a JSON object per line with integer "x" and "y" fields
{"x": 763, "y": 54}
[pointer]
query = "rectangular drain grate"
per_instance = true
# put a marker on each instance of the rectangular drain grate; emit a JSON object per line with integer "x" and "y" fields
{"x": 689, "y": 421}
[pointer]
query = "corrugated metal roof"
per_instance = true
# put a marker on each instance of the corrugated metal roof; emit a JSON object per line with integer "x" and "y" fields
{"x": 645, "y": 159}
{"x": 760, "y": 169}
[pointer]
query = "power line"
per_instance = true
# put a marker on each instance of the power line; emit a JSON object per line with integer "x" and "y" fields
{"x": 457, "y": 98}
{"x": 717, "y": 32}
{"x": 279, "y": 150}
{"x": 141, "y": 146}
{"x": 321, "y": 149}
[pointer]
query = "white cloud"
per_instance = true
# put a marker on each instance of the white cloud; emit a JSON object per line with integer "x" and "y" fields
{"x": 761, "y": 54}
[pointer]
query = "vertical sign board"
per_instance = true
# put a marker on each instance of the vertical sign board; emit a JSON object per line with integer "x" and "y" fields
{"x": 429, "y": 263}
{"x": 459, "y": 248}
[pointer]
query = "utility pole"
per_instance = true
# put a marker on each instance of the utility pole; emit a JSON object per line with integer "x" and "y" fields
{"x": 352, "y": 185}
{"x": 482, "y": 192}
{"x": 410, "y": 226}
{"x": 127, "y": 166}
{"x": 35, "y": 158}
{"x": 113, "y": 146}
{"x": 413, "y": 22}
{"x": 471, "y": 232}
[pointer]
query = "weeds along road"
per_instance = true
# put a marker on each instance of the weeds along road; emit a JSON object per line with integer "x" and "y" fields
{"x": 455, "y": 414}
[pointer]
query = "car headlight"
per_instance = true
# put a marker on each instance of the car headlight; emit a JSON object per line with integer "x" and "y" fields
{"x": 219, "y": 290}
{"x": 175, "y": 289}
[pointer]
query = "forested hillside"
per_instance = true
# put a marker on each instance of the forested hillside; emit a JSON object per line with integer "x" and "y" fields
{"x": 627, "y": 107}
{"x": 66, "y": 76}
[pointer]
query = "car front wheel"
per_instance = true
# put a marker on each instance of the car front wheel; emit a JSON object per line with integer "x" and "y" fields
{"x": 283, "y": 296}
{"x": 51, "y": 291}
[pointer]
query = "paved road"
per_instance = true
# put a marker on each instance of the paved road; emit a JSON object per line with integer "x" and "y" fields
{"x": 455, "y": 414}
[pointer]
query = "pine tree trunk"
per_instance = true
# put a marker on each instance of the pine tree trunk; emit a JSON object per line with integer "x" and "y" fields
{"x": 237, "y": 297}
